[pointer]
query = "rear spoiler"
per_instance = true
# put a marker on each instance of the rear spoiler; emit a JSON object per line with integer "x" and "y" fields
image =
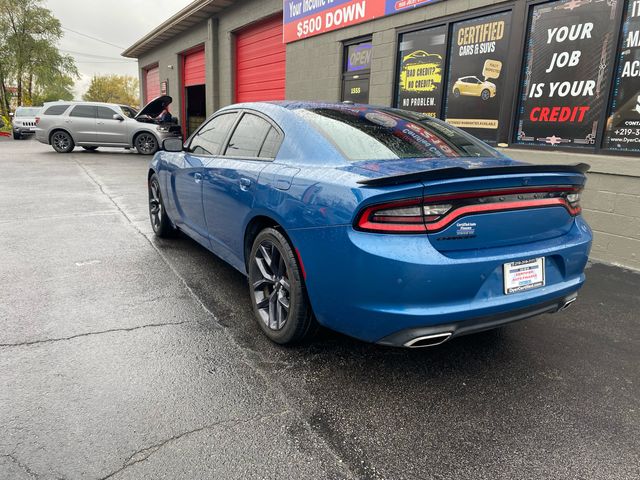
{"x": 459, "y": 172}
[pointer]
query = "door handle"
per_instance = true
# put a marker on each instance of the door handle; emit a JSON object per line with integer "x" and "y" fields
{"x": 197, "y": 177}
{"x": 245, "y": 183}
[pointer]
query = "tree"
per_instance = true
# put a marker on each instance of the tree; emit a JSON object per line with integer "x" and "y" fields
{"x": 60, "y": 89}
{"x": 122, "y": 89}
{"x": 29, "y": 57}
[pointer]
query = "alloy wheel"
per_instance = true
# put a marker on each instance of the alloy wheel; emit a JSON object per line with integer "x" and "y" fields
{"x": 155, "y": 204}
{"x": 61, "y": 141}
{"x": 272, "y": 289}
{"x": 146, "y": 143}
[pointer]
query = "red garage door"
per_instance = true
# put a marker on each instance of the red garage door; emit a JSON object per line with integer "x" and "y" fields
{"x": 260, "y": 62}
{"x": 194, "y": 69}
{"x": 151, "y": 84}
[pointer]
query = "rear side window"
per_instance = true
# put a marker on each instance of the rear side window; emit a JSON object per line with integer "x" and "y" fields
{"x": 208, "y": 140}
{"x": 389, "y": 134}
{"x": 85, "y": 111}
{"x": 106, "y": 113}
{"x": 271, "y": 144}
{"x": 56, "y": 110}
{"x": 248, "y": 137}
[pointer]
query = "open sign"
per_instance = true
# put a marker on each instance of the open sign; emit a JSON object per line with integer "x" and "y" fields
{"x": 359, "y": 57}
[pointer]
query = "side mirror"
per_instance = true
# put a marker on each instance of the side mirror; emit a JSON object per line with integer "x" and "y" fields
{"x": 173, "y": 144}
{"x": 118, "y": 117}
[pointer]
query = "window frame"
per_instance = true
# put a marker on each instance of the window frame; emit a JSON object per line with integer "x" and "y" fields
{"x": 190, "y": 140}
{"x": 274, "y": 125}
{"x": 511, "y": 88}
{"x": 597, "y": 148}
{"x": 360, "y": 74}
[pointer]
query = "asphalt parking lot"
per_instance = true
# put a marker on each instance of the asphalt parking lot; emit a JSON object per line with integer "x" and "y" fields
{"x": 126, "y": 357}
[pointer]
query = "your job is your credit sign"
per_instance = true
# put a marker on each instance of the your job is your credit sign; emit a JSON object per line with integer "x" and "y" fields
{"x": 306, "y": 18}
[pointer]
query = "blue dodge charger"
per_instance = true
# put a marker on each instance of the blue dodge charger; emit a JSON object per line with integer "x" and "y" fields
{"x": 386, "y": 225}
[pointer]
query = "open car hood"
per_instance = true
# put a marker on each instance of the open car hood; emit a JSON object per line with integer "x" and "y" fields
{"x": 154, "y": 107}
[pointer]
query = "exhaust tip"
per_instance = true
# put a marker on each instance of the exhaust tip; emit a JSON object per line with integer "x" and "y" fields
{"x": 567, "y": 303}
{"x": 428, "y": 340}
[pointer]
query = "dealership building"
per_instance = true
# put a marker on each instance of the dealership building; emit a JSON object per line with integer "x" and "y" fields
{"x": 544, "y": 81}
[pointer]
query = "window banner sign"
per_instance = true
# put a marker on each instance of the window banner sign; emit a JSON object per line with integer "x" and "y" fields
{"x": 623, "y": 124}
{"x": 307, "y": 18}
{"x": 475, "y": 90}
{"x": 564, "y": 88}
{"x": 421, "y": 70}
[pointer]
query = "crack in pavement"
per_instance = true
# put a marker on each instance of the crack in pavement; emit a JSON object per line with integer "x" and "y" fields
{"x": 143, "y": 454}
{"x": 89, "y": 334}
{"x": 22, "y": 466}
{"x": 246, "y": 358}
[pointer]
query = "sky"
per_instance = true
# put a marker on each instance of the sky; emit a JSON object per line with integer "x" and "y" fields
{"x": 117, "y": 22}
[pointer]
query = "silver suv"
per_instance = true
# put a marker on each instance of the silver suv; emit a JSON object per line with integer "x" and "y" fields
{"x": 90, "y": 125}
{"x": 24, "y": 121}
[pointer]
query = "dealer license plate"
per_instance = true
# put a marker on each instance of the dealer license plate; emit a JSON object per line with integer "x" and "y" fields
{"x": 523, "y": 275}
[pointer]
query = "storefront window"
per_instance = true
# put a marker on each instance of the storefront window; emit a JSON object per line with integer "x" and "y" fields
{"x": 475, "y": 91}
{"x": 422, "y": 57}
{"x": 564, "y": 88}
{"x": 623, "y": 124}
{"x": 356, "y": 72}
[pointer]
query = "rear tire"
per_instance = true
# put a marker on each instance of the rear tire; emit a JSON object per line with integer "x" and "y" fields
{"x": 90, "y": 149}
{"x": 160, "y": 222}
{"x": 278, "y": 294}
{"x": 62, "y": 142}
{"x": 146, "y": 143}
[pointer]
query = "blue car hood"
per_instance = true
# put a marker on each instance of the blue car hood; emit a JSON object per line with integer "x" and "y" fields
{"x": 386, "y": 168}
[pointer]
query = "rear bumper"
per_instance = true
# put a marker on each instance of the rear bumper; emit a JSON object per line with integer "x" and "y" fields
{"x": 41, "y": 136}
{"x": 429, "y": 336}
{"x": 374, "y": 287}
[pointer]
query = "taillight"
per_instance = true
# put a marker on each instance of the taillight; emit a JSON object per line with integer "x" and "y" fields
{"x": 435, "y": 213}
{"x": 37, "y": 120}
{"x": 401, "y": 216}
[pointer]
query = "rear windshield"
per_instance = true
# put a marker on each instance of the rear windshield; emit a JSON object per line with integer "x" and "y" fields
{"x": 27, "y": 111}
{"x": 388, "y": 134}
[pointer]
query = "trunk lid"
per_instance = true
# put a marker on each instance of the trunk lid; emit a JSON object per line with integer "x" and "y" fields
{"x": 489, "y": 202}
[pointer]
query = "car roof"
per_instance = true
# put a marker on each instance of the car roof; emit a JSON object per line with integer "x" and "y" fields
{"x": 73, "y": 102}
{"x": 297, "y": 104}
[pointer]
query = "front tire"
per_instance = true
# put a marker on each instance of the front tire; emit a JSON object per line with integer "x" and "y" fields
{"x": 277, "y": 290}
{"x": 485, "y": 94}
{"x": 17, "y": 136}
{"x": 146, "y": 143}
{"x": 456, "y": 92}
{"x": 160, "y": 222}
{"x": 62, "y": 142}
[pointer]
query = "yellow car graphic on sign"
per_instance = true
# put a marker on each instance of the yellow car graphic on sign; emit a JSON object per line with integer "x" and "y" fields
{"x": 474, "y": 87}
